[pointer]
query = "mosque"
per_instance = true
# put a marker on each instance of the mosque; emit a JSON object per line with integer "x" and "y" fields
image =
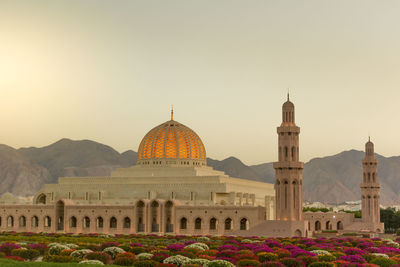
{"x": 171, "y": 190}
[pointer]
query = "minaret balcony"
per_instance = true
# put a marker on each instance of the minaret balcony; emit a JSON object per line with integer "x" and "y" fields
{"x": 289, "y": 164}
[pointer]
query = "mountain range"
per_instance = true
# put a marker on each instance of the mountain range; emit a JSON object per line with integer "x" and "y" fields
{"x": 332, "y": 179}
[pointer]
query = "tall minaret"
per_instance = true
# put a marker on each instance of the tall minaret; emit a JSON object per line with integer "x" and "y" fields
{"x": 288, "y": 170}
{"x": 370, "y": 188}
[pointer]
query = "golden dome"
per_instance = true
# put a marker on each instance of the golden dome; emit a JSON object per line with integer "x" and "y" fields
{"x": 171, "y": 141}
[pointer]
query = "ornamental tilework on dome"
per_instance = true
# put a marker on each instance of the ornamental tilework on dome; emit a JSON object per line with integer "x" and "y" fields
{"x": 171, "y": 140}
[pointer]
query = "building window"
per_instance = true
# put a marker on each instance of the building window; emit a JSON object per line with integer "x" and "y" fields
{"x": 197, "y": 224}
{"x": 87, "y": 196}
{"x": 127, "y": 223}
{"x": 22, "y": 221}
{"x": 35, "y": 222}
{"x": 113, "y": 222}
{"x": 100, "y": 222}
{"x": 73, "y": 222}
{"x": 244, "y": 224}
{"x": 10, "y": 221}
{"x": 183, "y": 224}
{"x": 47, "y": 221}
{"x": 228, "y": 224}
{"x": 86, "y": 222}
{"x": 213, "y": 224}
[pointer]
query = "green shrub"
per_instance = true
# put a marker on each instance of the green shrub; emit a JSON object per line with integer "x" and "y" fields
{"x": 2, "y": 255}
{"x": 100, "y": 256}
{"x": 145, "y": 263}
{"x": 322, "y": 264}
{"x": 137, "y": 250}
{"x": 292, "y": 262}
{"x": 271, "y": 264}
{"x": 326, "y": 258}
{"x": 219, "y": 263}
{"x": 58, "y": 258}
{"x": 383, "y": 262}
{"x": 27, "y": 254}
{"x": 247, "y": 262}
{"x": 267, "y": 256}
{"x": 308, "y": 259}
{"x": 124, "y": 261}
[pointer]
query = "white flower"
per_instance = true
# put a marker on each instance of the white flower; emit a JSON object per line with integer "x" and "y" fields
{"x": 198, "y": 261}
{"x": 177, "y": 260}
{"x": 320, "y": 252}
{"x": 144, "y": 256}
{"x": 80, "y": 253}
{"x": 72, "y": 246}
{"x": 113, "y": 251}
{"x": 91, "y": 262}
{"x": 380, "y": 255}
{"x": 55, "y": 249}
{"x": 198, "y": 246}
{"x": 219, "y": 263}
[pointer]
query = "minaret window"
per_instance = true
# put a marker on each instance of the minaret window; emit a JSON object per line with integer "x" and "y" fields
{"x": 286, "y": 196}
{"x": 293, "y": 153}
{"x": 286, "y": 152}
{"x": 373, "y": 177}
{"x": 369, "y": 177}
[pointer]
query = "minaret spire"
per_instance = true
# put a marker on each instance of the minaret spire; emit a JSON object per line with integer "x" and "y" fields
{"x": 172, "y": 112}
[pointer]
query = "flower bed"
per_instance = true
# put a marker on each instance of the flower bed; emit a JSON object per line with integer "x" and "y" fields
{"x": 21, "y": 249}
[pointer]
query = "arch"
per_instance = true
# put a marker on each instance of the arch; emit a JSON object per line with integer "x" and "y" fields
{"x": 169, "y": 227}
{"x": 228, "y": 224}
{"x": 113, "y": 223}
{"x": 364, "y": 177}
{"x": 86, "y": 222}
{"x": 328, "y": 225}
{"x": 22, "y": 221}
{"x": 99, "y": 222}
{"x": 373, "y": 177}
{"x": 297, "y": 233}
{"x": 213, "y": 223}
{"x": 369, "y": 177}
{"x": 140, "y": 215}
{"x": 317, "y": 225}
{"x": 309, "y": 226}
{"x": 339, "y": 225}
{"x": 127, "y": 222}
{"x": 183, "y": 223}
{"x": 197, "y": 223}
{"x": 378, "y": 230}
{"x": 35, "y": 222}
{"x": 286, "y": 152}
{"x": 72, "y": 222}
{"x": 0, "y": 221}
{"x": 293, "y": 153}
{"x": 10, "y": 221}
{"x": 60, "y": 215}
{"x": 154, "y": 211}
{"x": 244, "y": 224}
{"x": 47, "y": 221}
{"x": 41, "y": 199}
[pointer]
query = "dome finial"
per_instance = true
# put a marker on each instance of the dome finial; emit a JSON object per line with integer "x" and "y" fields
{"x": 172, "y": 112}
{"x": 288, "y": 94}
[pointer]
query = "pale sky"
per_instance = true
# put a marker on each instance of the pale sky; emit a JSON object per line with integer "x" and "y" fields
{"x": 109, "y": 71}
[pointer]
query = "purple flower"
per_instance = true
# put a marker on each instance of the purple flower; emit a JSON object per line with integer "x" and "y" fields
{"x": 175, "y": 247}
{"x": 353, "y": 258}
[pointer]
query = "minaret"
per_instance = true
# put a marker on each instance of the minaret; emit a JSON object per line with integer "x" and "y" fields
{"x": 370, "y": 188}
{"x": 288, "y": 170}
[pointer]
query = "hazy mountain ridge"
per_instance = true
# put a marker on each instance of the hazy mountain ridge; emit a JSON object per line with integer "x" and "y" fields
{"x": 328, "y": 179}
